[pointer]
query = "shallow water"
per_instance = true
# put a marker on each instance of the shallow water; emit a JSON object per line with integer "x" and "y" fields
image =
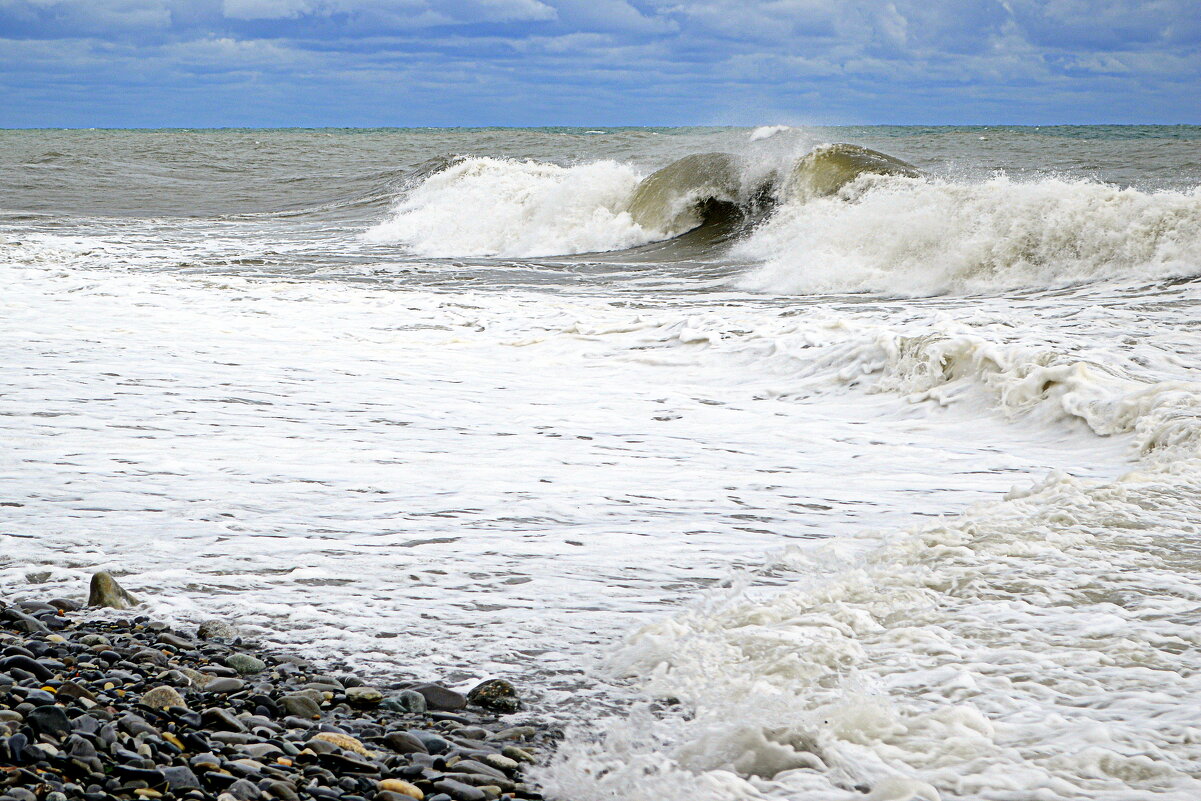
{"x": 894, "y": 491}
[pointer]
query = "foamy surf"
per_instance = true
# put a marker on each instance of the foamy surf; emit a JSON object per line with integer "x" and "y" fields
{"x": 1013, "y": 652}
{"x": 1044, "y": 645}
{"x": 913, "y": 236}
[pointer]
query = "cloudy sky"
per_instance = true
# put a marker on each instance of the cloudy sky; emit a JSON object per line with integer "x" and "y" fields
{"x": 197, "y": 63}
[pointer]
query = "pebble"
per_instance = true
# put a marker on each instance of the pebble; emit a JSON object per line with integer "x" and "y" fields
{"x": 364, "y": 696}
{"x": 300, "y": 705}
{"x": 162, "y": 697}
{"x": 405, "y": 701}
{"x": 225, "y": 685}
{"x": 344, "y": 741}
{"x": 402, "y": 787}
{"x": 245, "y": 663}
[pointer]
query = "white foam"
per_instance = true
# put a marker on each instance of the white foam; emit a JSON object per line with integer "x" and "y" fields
{"x": 767, "y": 132}
{"x": 917, "y": 237}
{"x": 1040, "y": 646}
{"x": 498, "y": 207}
{"x": 1044, "y": 646}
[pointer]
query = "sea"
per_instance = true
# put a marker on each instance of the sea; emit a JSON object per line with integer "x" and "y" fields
{"x": 819, "y": 464}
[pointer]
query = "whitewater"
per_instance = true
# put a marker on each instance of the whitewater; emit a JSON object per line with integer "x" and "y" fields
{"x": 774, "y": 463}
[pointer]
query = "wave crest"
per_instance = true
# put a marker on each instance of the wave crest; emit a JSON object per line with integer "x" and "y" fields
{"x": 499, "y": 207}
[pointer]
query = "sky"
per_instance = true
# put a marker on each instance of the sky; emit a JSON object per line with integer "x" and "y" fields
{"x": 216, "y": 63}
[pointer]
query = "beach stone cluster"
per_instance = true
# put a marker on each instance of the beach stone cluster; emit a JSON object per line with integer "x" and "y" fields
{"x": 134, "y": 709}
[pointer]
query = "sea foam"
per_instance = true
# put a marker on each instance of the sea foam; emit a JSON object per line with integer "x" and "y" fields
{"x": 912, "y": 236}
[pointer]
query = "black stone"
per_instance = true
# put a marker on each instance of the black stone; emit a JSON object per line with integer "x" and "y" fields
{"x": 51, "y": 720}
{"x": 27, "y": 664}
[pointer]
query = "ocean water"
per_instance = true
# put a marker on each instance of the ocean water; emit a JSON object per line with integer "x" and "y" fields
{"x": 769, "y": 477}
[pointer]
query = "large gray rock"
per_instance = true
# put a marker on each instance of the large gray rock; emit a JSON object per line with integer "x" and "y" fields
{"x": 105, "y": 591}
{"x": 442, "y": 698}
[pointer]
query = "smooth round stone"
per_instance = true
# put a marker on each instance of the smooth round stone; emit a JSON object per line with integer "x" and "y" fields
{"x": 11, "y": 714}
{"x": 439, "y": 697}
{"x": 500, "y": 762}
{"x": 28, "y": 664}
{"x": 224, "y": 685}
{"x": 280, "y": 789}
{"x": 404, "y": 743}
{"x": 261, "y": 750}
{"x": 180, "y": 777}
{"x": 300, "y": 705}
{"x": 176, "y": 641}
{"x": 162, "y": 697}
{"x": 364, "y": 696}
{"x": 343, "y": 741}
{"x": 432, "y": 742}
{"x": 221, "y": 720}
{"x": 460, "y": 791}
{"x": 244, "y": 790}
{"x": 39, "y": 698}
{"x": 405, "y": 701}
{"x": 515, "y": 733}
{"x": 245, "y": 663}
{"x": 471, "y": 733}
{"x": 401, "y": 787}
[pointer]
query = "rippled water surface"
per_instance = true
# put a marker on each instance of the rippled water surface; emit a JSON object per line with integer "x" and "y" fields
{"x": 893, "y": 489}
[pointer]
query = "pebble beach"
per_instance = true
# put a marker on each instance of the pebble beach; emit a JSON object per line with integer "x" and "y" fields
{"x": 98, "y": 707}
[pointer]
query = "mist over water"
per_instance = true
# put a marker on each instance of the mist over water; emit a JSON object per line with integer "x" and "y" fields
{"x": 772, "y": 477}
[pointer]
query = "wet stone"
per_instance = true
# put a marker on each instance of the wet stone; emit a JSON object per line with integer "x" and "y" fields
{"x": 221, "y": 720}
{"x": 404, "y": 743}
{"x": 51, "y": 720}
{"x": 216, "y": 630}
{"x": 405, "y": 701}
{"x": 105, "y": 591}
{"x": 245, "y": 663}
{"x": 364, "y": 696}
{"x": 224, "y": 685}
{"x": 497, "y": 695}
{"x": 162, "y": 697}
{"x": 442, "y": 698}
{"x": 460, "y": 791}
{"x": 300, "y": 705}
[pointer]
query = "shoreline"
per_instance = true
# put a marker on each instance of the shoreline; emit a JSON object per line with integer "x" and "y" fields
{"x": 133, "y": 708}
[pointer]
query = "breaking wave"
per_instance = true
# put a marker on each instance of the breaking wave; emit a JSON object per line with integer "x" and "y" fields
{"x": 499, "y": 207}
{"x": 842, "y": 218}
